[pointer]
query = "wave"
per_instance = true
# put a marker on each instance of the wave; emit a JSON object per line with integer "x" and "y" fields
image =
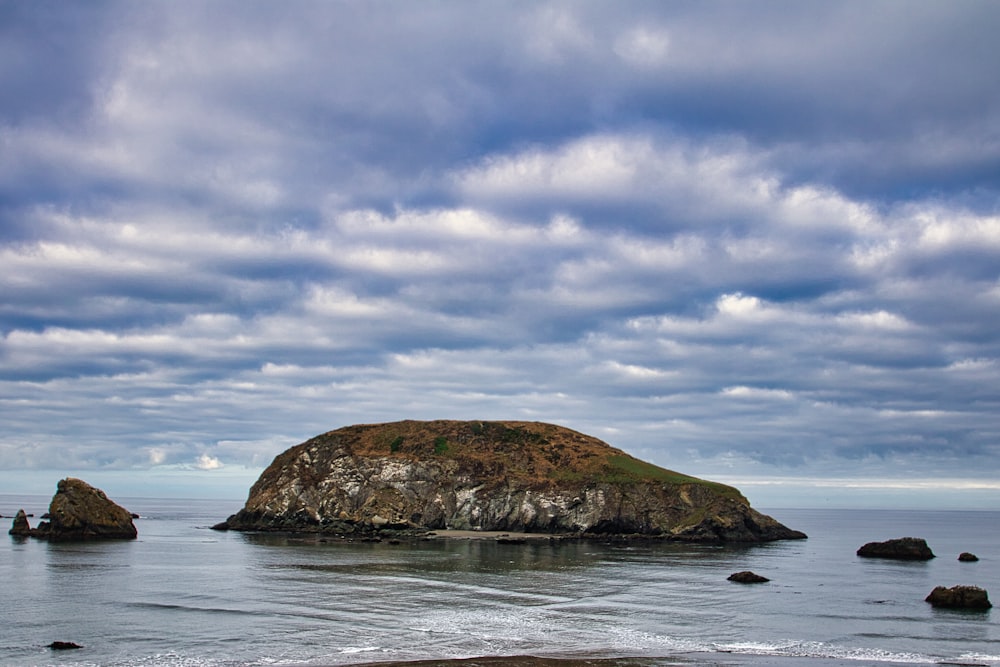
{"x": 194, "y": 608}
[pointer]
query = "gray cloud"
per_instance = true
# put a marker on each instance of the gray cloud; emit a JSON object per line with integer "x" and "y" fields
{"x": 756, "y": 241}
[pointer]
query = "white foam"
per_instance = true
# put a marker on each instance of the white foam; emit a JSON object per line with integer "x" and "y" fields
{"x": 822, "y": 650}
{"x": 358, "y": 649}
{"x": 980, "y": 658}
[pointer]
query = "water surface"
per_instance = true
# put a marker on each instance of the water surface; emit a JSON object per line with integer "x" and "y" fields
{"x": 185, "y": 595}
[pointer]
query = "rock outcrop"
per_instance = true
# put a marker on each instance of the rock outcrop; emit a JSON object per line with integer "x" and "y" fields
{"x": 903, "y": 548}
{"x": 747, "y": 577}
{"x": 513, "y": 476}
{"x": 959, "y": 597}
{"x": 79, "y": 511}
{"x": 64, "y": 646}
{"x": 966, "y": 557}
{"x": 21, "y": 527}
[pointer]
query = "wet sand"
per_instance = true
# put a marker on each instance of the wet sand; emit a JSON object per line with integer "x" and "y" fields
{"x": 719, "y": 659}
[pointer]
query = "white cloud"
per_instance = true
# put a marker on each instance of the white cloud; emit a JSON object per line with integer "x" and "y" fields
{"x": 875, "y": 320}
{"x": 757, "y": 393}
{"x": 588, "y": 168}
{"x": 739, "y": 305}
{"x": 207, "y": 462}
{"x": 446, "y": 225}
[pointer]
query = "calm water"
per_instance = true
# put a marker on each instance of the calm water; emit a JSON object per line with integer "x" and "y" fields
{"x": 185, "y": 595}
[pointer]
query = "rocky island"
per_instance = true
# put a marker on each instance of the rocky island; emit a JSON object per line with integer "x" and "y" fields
{"x": 489, "y": 475}
{"x": 78, "y": 511}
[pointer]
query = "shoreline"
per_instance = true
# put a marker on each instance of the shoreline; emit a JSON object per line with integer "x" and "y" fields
{"x": 501, "y": 536}
{"x": 498, "y": 535}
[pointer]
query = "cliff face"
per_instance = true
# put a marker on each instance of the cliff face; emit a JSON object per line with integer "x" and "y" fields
{"x": 515, "y": 476}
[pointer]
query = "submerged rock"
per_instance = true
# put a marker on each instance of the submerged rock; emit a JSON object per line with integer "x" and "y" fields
{"x": 507, "y": 476}
{"x": 747, "y": 577}
{"x": 903, "y": 548}
{"x": 79, "y": 511}
{"x": 64, "y": 646}
{"x": 21, "y": 526}
{"x": 959, "y": 597}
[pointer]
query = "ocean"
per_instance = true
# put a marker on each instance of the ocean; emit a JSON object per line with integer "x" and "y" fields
{"x": 184, "y": 595}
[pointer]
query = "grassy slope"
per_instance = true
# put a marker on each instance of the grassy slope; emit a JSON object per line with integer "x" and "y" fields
{"x": 535, "y": 453}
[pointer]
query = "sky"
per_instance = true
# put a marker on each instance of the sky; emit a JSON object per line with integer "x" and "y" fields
{"x": 755, "y": 242}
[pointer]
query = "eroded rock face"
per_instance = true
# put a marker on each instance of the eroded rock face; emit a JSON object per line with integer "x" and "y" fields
{"x": 903, "y": 548}
{"x": 516, "y": 476}
{"x": 79, "y": 511}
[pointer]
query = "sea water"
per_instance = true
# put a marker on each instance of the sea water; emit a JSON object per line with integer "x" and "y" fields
{"x": 184, "y": 595}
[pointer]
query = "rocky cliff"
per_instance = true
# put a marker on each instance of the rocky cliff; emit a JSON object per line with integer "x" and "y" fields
{"x": 514, "y": 476}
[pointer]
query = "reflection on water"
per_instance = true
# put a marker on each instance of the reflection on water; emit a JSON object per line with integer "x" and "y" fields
{"x": 435, "y": 555}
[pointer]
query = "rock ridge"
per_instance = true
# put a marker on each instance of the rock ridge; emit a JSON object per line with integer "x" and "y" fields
{"x": 489, "y": 475}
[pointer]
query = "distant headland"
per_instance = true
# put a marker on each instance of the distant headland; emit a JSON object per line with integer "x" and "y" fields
{"x": 520, "y": 476}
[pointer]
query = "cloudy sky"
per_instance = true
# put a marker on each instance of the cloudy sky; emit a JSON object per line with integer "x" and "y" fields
{"x": 754, "y": 242}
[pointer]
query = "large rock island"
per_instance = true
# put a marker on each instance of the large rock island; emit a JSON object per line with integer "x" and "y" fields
{"x": 476, "y": 475}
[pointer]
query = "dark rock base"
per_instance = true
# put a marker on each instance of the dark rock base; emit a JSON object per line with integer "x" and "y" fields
{"x": 959, "y": 597}
{"x": 904, "y": 548}
{"x": 747, "y": 577}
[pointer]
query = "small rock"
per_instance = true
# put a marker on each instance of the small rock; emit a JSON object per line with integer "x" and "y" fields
{"x": 747, "y": 577}
{"x": 959, "y": 597}
{"x": 63, "y": 646}
{"x": 21, "y": 526}
{"x": 966, "y": 557}
{"x": 904, "y": 548}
